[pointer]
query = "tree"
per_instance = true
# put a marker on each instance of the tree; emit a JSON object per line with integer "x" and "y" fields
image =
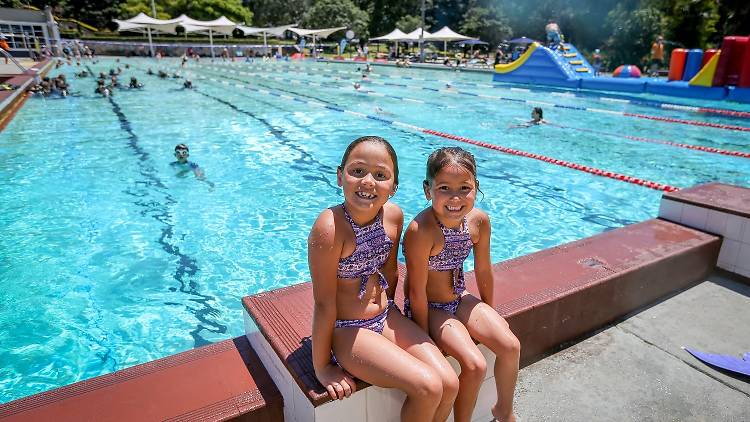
{"x": 634, "y": 26}
{"x": 486, "y": 23}
{"x": 277, "y": 12}
{"x": 691, "y": 23}
{"x": 734, "y": 19}
{"x": 409, "y": 23}
{"x": 211, "y": 9}
{"x": 98, "y": 14}
{"x": 331, "y": 13}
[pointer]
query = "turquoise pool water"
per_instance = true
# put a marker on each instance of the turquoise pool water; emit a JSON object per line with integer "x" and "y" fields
{"x": 109, "y": 259}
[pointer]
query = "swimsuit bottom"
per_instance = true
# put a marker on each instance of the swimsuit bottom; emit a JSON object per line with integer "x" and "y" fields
{"x": 450, "y": 307}
{"x": 374, "y": 324}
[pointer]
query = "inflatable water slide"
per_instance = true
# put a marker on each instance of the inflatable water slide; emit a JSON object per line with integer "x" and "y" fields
{"x": 712, "y": 75}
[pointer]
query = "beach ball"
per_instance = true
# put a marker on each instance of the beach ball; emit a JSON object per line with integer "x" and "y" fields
{"x": 627, "y": 71}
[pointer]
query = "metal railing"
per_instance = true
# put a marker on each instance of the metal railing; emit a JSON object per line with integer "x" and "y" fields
{"x": 13, "y": 59}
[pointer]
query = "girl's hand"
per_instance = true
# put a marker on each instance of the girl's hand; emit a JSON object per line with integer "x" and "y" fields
{"x": 338, "y": 383}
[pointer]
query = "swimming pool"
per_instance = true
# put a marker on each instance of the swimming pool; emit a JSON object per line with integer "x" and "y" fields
{"x": 110, "y": 259}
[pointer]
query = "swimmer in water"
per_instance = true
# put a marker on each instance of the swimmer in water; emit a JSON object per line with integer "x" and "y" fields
{"x": 537, "y": 118}
{"x": 357, "y": 86}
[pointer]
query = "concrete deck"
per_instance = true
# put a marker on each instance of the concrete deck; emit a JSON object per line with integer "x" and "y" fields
{"x": 636, "y": 369}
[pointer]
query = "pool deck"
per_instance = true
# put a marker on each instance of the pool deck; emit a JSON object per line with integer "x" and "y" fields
{"x": 635, "y": 369}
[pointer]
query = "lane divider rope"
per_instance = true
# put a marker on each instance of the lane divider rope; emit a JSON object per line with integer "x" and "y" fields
{"x": 659, "y": 141}
{"x": 549, "y": 104}
{"x": 575, "y": 166}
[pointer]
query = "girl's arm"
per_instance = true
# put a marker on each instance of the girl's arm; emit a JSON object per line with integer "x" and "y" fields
{"x": 323, "y": 252}
{"x": 393, "y": 215}
{"x": 417, "y": 246}
{"x": 482, "y": 260}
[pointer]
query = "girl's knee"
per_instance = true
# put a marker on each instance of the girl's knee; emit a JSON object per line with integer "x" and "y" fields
{"x": 474, "y": 366}
{"x": 450, "y": 385}
{"x": 428, "y": 385}
{"x": 508, "y": 346}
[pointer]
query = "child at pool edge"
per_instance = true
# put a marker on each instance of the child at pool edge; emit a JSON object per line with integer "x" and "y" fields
{"x": 357, "y": 330}
{"x": 436, "y": 243}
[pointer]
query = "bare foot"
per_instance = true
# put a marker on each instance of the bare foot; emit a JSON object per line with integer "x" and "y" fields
{"x": 502, "y": 416}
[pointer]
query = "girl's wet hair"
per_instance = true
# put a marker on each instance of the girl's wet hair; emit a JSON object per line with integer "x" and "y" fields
{"x": 538, "y": 110}
{"x": 376, "y": 139}
{"x": 450, "y": 156}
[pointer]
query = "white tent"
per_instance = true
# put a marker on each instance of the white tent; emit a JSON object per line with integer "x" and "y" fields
{"x": 321, "y": 33}
{"x": 221, "y": 25}
{"x": 446, "y": 34}
{"x": 396, "y": 35}
{"x": 414, "y": 35}
{"x": 276, "y": 31}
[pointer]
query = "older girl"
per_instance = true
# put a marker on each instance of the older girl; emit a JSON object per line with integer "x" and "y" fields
{"x": 436, "y": 244}
{"x": 357, "y": 330}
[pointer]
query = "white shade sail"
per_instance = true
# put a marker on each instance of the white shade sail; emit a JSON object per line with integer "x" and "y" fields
{"x": 276, "y": 31}
{"x": 446, "y": 34}
{"x": 319, "y": 33}
{"x": 414, "y": 35}
{"x": 395, "y": 35}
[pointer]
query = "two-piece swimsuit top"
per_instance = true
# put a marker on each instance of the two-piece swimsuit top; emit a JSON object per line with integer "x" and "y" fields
{"x": 371, "y": 252}
{"x": 457, "y": 247}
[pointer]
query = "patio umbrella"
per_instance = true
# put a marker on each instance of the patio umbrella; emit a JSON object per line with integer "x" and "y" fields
{"x": 522, "y": 40}
{"x": 471, "y": 43}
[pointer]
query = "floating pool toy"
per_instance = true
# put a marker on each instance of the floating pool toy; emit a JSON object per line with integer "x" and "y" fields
{"x": 627, "y": 71}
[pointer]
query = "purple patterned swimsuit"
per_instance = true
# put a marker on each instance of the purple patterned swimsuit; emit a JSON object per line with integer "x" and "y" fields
{"x": 457, "y": 247}
{"x": 371, "y": 252}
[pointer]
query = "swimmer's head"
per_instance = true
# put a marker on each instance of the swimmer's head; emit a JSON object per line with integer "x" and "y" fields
{"x": 537, "y": 114}
{"x": 181, "y": 151}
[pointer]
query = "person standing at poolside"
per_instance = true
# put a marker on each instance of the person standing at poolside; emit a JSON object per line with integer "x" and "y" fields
{"x": 357, "y": 330}
{"x": 436, "y": 244}
{"x": 4, "y": 45}
{"x": 596, "y": 62}
{"x": 657, "y": 56}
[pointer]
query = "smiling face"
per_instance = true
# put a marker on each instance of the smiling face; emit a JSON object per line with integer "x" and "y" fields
{"x": 367, "y": 177}
{"x": 453, "y": 191}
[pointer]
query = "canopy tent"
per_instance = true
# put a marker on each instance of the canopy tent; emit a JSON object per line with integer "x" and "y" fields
{"x": 446, "y": 34}
{"x": 396, "y": 35}
{"x": 414, "y": 35}
{"x": 313, "y": 33}
{"x": 276, "y": 31}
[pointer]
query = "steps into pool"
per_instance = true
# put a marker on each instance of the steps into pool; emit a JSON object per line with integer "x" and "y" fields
{"x": 221, "y": 381}
{"x": 548, "y": 298}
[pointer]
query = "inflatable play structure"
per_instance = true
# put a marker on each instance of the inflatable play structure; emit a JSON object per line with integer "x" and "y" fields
{"x": 711, "y": 74}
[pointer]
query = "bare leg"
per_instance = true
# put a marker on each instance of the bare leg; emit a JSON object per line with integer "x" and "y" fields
{"x": 410, "y": 337}
{"x": 490, "y": 329}
{"x": 373, "y": 358}
{"x": 451, "y": 335}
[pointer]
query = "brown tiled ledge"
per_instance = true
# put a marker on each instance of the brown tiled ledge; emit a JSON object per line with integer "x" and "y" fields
{"x": 548, "y": 297}
{"x": 719, "y": 209}
{"x": 221, "y": 381}
{"x": 11, "y": 101}
{"x": 729, "y": 199}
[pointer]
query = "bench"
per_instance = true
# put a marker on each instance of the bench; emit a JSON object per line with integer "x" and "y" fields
{"x": 548, "y": 298}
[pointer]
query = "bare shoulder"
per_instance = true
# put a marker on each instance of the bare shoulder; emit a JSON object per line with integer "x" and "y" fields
{"x": 393, "y": 214}
{"x": 324, "y": 229}
{"x": 478, "y": 221}
{"x": 423, "y": 225}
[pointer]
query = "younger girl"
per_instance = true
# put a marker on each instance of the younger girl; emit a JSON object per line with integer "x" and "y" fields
{"x": 352, "y": 251}
{"x": 436, "y": 244}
